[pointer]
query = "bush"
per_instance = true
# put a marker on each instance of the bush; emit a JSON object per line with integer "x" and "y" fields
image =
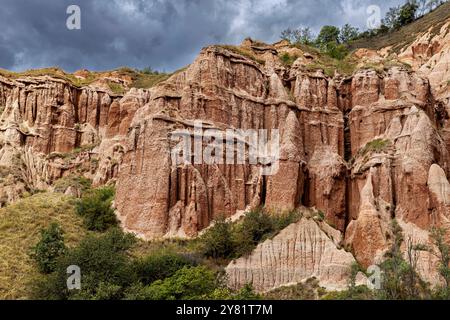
{"x": 49, "y": 248}
{"x": 258, "y": 226}
{"x": 217, "y": 242}
{"x": 287, "y": 59}
{"x": 159, "y": 266}
{"x": 328, "y": 34}
{"x": 78, "y": 182}
{"x": 229, "y": 241}
{"x": 188, "y": 283}
{"x": 104, "y": 266}
{"x": 400, "y": 278}
{"x": 95, "y": 209}
{"x": 224, "y": 293}
{"x": 336, "y": 51}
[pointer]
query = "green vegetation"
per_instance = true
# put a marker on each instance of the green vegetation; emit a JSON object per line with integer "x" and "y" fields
{"x": 105, "y": 267}
{"x": 144, "y": 79}
{"x": 95, "y": 209}
{"x": 20, "y": 230}
{"x": 298, "y": 36}
{"x": 443, "y": 254}
{"x": 159, "y": 266}
{"x": 399, "y": 27}
{"x": 391, "y": 35}
{"x": 116, "y": 88}
{"x": 226, "y": 240}
{"x": 110, "y": 272}
{"x": 78, "y": 182}
{"x": 244, "y": 52}
{"x": 288, "y": 59}
{"x": 400, "y": 278}
{"x": 49, "y": 248}
{"x": 309, "y": 290}
{"x": 375, "y": 146}
{"x": 72, "y": 155}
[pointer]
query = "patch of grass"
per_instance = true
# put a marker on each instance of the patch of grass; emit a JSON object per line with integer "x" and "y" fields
{"x": 116, "y": 88}
{"x": 72, "y": 155}
{"x": 144, "y": 79}
{"x": 377, "y": 145}
{"x": 309, "y": 290}
{"x": 357, "y": 293}
{"x": 243, "y": 52}
{"x": 20, "y": 227}
{"x": 140, "y": 79}
{"x": 329, "y": 65}
{"x": 78, "y": 182}
{"x": 288, "y": 59}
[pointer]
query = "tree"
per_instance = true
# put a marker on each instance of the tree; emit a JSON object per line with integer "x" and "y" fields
{"x": 298, "y": 36}
{"x": 400, "y": 278}
{"x": 348, "y": 33}
{"x": 407, "y": 13}
{"x": 328, "y": 34}
{"x": 443, "y": 254}
{"x": 49, "y": 248}
{"x": 188, "y": 283}
{"x": 95, "y": 208}
{"x": 105, "y": 269}
{"x": 159, "y": 266}
{"x": 391, "y": 18}
{"x": 217, "y": 240}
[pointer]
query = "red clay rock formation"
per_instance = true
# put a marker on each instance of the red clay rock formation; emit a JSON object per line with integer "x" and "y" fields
{"x": 363, "y": 148}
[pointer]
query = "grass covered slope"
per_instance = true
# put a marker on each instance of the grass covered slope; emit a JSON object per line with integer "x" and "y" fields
{"x": 20, "y": 226}
{"x": 407, "y": 34}
{"x": 144, "y": 79}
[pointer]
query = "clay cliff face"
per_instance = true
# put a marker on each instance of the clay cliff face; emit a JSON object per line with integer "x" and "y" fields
{"x": 363, "y": 149}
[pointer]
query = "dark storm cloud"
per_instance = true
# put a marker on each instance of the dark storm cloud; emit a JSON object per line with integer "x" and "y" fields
{"x": 164, "y": 34}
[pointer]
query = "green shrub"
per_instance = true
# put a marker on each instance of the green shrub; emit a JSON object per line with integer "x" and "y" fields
{"x": 225, "y": 240}
{"x": 336, "y": 51}
{"x": 188, "y": 283}
{"x": 357, "y": 293}
{"x": 159, "y": 266}
{"x": 400, "y": 278}
{"x": 78, "y": 182}
{"x": 376, "y": 145}
{"x": 104, "y": 266}
{"x": 258, "y": 226}
{"x": 438, "y": 235}
{"x": 49, "y": 248}
{"x": 287, "y": 59}
{"x": 116, "y": 88}
{"x": 217, "y": 241}
{"x": 224, "y": 293}
{"x": 308, "y": 290}
{"x": 95, "y": 209}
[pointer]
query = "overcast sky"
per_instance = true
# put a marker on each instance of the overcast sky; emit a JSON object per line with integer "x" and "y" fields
{"x": 163, "y": 34}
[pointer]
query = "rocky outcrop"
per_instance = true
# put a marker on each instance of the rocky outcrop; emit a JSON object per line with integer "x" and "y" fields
{"x": 50, "y": 129}
{"x": 300, "y": 252}
{"x": 363, "y": 149}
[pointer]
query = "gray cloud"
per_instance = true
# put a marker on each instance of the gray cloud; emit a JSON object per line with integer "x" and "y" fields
{"x": 164, "y": 34}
